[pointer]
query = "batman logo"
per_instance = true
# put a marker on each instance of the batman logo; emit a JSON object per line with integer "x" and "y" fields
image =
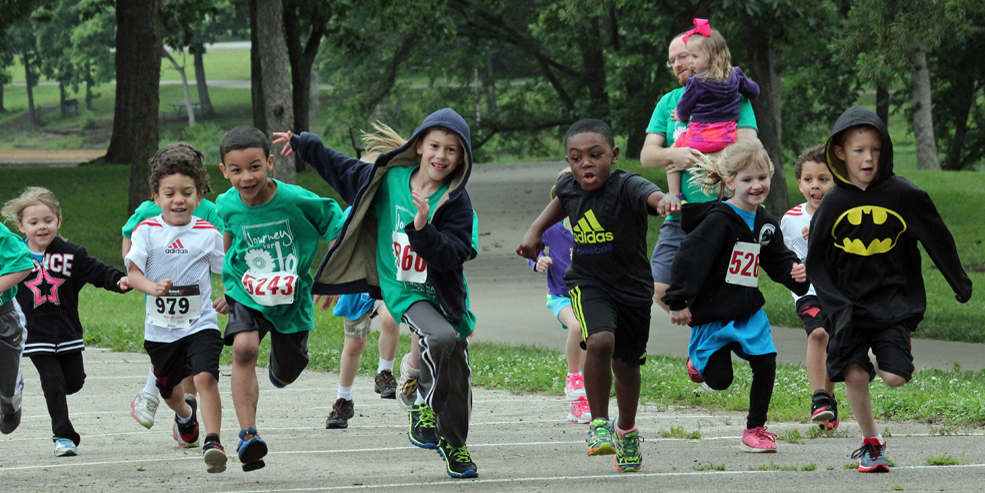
{"x": 868, "y": 230}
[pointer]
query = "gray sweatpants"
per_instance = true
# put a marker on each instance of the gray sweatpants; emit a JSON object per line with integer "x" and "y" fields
{"x": 13, "y": 334}
{"x": 446, "y": 379}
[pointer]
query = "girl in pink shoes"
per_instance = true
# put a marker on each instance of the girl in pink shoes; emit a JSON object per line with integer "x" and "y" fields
{"x": 714, "y": 284}
{"x": 553, "y": 260}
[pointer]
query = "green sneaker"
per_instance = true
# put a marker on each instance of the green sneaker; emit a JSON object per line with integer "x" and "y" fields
{"x": 458, "y": 462}
{"x": 628, "y": 456}
{"x": 600, "y": 438}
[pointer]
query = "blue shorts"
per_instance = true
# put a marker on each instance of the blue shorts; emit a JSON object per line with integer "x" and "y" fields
{"x": 556, "y": 304}
{"x": 671, "y": 236}
{"x": 750, "y": 336}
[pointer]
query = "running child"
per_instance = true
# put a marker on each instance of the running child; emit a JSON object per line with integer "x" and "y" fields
{"x": 814, "y": 181}
{"x": 271, "y": 238}
{"x": 558, "y": 245}
{"x": 144, "y": 405}
{"x": 170, "y": 261}
{"x": 714, "y": 284}
{"x": 15, "y": 265}
{"x": 411, "y": 230}
{"x": 357, "y": 312}
{"x": 863, "y": 260}
{"x": 49, "y": 298}
{"x": 611, "y": 287}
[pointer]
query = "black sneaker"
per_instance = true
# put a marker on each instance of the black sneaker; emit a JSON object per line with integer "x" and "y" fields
{"x": 9, "y": 422}
{"x": 458, "y": 462}
{"x": 187, "y": 434}
{"x": 342, "y": 412}
{"x": 423, "y": 427}
{"x": 386, "y": 384}
{"x": 215, "y": 455}
{"x": 872, "y": 456}
{"x": 821, "y": 409}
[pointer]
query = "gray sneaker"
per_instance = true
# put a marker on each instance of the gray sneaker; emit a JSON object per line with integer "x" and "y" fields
{"x": 342, "y": 412}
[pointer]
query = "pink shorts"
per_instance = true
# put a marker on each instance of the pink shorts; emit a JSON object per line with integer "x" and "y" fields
{"x": 708, "y": 137}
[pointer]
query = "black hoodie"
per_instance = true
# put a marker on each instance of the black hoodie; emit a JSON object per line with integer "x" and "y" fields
{"x": 445, "y": 242}
{"x": 862, "y": 255}
{"x": 697, "y": 277}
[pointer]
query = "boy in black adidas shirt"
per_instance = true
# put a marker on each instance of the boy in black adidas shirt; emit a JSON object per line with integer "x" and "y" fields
{"x": 609, "y": 277}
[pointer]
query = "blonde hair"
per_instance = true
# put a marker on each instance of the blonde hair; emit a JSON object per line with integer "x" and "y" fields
{"x": 711, "y": 173}
{"x": 719, "y": 58}
{"x": 13, "y": 210}
{"x": 384, "y": 140}
{"x": 554, "y": 186}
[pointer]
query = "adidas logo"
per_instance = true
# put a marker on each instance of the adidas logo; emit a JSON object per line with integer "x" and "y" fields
{"x": 175, "y": 248}
{"x": 588, "y": 230}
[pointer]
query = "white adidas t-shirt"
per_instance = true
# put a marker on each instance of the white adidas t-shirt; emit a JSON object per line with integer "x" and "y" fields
{"x": 792, "y": 225}
{"x": 185, "y": 255}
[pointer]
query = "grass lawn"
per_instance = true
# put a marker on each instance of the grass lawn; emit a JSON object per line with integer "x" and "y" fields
{"x": 218, "y": 65}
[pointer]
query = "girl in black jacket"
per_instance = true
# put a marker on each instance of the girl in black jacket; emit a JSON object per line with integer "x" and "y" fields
{"x": 714, "y": 284}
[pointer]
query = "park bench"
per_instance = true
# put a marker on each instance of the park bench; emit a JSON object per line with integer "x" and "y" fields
{"x": 360, "y": 149}
{"x": 179, "y": 108}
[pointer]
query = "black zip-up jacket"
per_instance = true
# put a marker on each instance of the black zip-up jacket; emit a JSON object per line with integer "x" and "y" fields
{"x": 697, "y": 276}
{"x": 49, "y": 297}
{"x": 862, "y": 255}
{"x": 445, "y": 243}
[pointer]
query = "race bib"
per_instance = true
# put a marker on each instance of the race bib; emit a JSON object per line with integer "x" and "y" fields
{"x": 410, "y": 266}
{"x": 270, "y": 288}
{"x": 176, "y": 310}
{"x": 743, "y": 268}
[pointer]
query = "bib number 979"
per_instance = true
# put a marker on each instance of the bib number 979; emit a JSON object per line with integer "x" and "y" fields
{"x": 172, "y": 306}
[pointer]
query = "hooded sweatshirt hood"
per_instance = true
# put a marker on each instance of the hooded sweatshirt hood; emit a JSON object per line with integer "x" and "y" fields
{"x": 853, "y": 117}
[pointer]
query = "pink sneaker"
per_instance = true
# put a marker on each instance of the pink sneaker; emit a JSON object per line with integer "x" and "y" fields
{"x": 759, "y": 440}
{"x": 580, "y": 412}
{"x": 692, "y": 372}
{"x": 574, "y": 387}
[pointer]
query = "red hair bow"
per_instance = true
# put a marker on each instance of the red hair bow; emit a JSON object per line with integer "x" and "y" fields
{"x": 701, "y": 27}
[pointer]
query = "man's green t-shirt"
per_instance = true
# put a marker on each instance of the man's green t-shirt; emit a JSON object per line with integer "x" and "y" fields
{"x": 14, "y": 257}
{"x": 403, "y": 275}
{"x": 268, "y": 264}
{"x": 660, "y": 123}
{"x": 205, "y": 210}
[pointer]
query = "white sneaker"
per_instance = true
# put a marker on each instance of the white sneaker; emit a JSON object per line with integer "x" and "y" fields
{"x": 407, "y": 386}
{"x": 64, "y": 447}
{"x": 143, "y": 408}
{"x": 580, "y": 412}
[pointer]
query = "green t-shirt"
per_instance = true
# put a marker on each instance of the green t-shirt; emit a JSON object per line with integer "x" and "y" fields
{"x": 205, "y": 210}
{"x": 268, "y": 264}
{"x": 14, "y": 257}
{"x": 403, "y": 280}
{"x": 660, "y": 123}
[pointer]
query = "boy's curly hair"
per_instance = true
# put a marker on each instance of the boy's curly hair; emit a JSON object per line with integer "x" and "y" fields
{"x": 813, "y": 153}
{"x": 179, "y": 158}
{"x": 13, "y": 210}
{"x": 710, "y": 173}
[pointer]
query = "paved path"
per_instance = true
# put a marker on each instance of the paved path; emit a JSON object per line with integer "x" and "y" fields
{"x": 519, "y": 443}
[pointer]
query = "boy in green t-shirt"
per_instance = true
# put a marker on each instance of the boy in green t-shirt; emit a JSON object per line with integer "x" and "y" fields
{"x": 271, "y": 238}
{"x": 15, "y": 265}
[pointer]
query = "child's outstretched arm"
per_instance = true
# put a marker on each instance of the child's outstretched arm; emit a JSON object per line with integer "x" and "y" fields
{"x": 930, "y": 229}
{"x": 657, "y": 201}
{"x": 691, "y": 267}
{"x": 783, "y": 265}
{"x": 533, "y": 241}
{"x": 11, "y": 279}
{"x": 451, "y": 246}
{"x": 140, "y": 282}
{"x": 98, "y": 274}
{"x": 747, "y": 87}
{"x": 344, "y": 173}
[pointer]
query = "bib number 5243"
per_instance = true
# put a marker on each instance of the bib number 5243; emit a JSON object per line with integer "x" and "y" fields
{"x": 743, "y": 268}
{"x": 270, "y": 289}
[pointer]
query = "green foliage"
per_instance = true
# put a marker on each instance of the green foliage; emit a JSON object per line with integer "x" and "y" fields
{"x": 680, "y": 432}
{"x": 943, "y": 460}
{"x": 792, "y": 436}
{"x": 709, "y": 467}
{"x": 773, "y": 466}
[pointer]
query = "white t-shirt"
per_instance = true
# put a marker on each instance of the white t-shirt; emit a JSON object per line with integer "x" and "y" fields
{"x": 185, "y": 255}
{"x": 792, "y": 225}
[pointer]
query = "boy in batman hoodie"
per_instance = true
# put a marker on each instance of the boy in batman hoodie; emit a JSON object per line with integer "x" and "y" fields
{"x": 865, "y": 266}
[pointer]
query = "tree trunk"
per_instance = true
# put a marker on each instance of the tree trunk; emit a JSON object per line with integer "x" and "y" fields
{"x": 314, "y": 98}
{"x": 765, "y": 68}
{"x": 204, "y": 101}
{"x": 923, "y": 120}
{"x": 61, "y": 100}
{"x": 184, "y": 86}
{"x": 35, "y": 118}
{"x": 2, "y": 108}
{"x": 882, "y": 104}
{"x": 136, "y": 118}
{"x": 278, "y": 109}
{"x": 256, "y": 81}
{"x": 88, "y": 92}
{"x": 302, "y": 59}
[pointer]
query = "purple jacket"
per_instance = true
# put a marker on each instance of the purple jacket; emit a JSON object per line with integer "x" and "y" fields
{"x": 559, "y": 242}
{"x": 707, "y": 101}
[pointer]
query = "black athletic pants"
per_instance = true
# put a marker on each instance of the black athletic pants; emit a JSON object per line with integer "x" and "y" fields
{"x": 718, "y": 375}
{"x": 61, "y": 375}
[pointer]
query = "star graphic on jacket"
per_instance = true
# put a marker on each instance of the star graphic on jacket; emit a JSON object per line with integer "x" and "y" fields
{"x": 36, "y": 284}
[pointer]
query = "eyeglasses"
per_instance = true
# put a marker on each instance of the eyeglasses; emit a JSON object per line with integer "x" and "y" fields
{"x": 679, "y": 58}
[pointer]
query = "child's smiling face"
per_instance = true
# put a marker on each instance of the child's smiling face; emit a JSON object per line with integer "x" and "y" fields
{"x": 441, "y": 152}
{"x": 247, "y": 170}
{"x": 815, "y": 181}
{"x": 177, "y": 196}
{"x": 590, "y": 158}
{"x": 40, "y": 224}
{"x": 749, "y": 187}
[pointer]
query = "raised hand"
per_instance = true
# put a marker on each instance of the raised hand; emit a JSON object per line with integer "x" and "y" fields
{"x": 284, "y": 138}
